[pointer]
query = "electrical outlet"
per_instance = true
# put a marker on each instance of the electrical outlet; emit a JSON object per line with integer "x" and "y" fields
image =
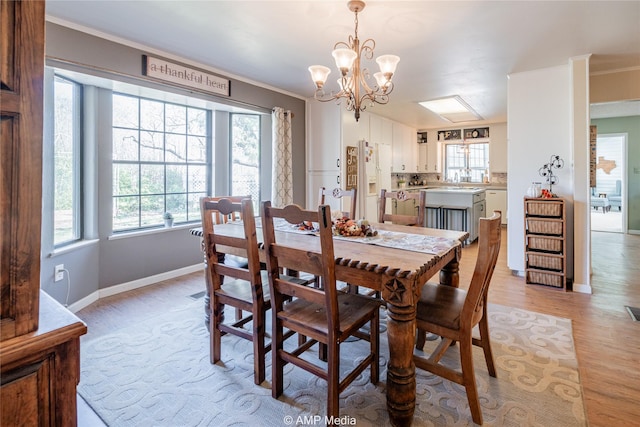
{"x": 58, "y": 272}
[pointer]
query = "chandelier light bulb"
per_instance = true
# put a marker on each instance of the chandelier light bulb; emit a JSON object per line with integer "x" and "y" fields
{"x": 382, "y": 80}
{"x": 388, "y": 64}
{"x": 319, "y": 74}
{"x": 344, "y": 59}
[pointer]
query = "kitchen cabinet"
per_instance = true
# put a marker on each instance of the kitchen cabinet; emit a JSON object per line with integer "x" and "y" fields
{"x": 324, "y": 136}
{"x": 497, "y": 200}
{"x": 434, "y": 156}
{"x": 423, "y": 161}
{"x": 380, "y": 130}
{"x": 330, "y": 130}
{"x": 498, "y": 148}
{"x": 405, "y": 149}
{"x": 545, "y": 242}
{"x": 430, "y": 154}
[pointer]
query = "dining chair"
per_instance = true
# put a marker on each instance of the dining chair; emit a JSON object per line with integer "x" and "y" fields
{"x": 402, "y": 196}
{"x": 242, "y": 287}
{"x": 234, "y": 260}
{"x": 452, "y": 313}
{"x": 338, "y": 193}
{"x": 326, "y": 315}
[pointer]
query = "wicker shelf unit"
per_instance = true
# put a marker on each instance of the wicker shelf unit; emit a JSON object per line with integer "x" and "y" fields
{"x": 545, "y": 242}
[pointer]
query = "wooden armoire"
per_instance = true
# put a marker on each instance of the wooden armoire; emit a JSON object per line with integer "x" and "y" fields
{"x": 39, "y": 339}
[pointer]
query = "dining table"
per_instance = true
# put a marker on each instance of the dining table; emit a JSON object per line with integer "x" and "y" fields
{"x": 397, "y": 263}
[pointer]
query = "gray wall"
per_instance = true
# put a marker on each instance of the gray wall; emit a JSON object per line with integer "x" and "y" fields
{"x": 103, "y": 262}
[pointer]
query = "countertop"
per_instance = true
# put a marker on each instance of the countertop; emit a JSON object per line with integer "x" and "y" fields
{"x": 451, "y": 185}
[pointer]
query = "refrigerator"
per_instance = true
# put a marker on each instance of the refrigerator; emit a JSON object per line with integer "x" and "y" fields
{"x": 374, "y": 175}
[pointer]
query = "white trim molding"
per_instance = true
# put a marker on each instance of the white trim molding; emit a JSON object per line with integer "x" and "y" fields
{"x": 134, "y": 284}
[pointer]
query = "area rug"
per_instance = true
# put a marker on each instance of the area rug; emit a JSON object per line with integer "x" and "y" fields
{"x": 157, "y": 373}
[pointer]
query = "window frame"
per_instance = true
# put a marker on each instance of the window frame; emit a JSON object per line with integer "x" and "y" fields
{"x": 259, "y": 165}
{"x": 77, "y": 203}
{"x": 480, "y": 171}
{"x": 207, "y": 164}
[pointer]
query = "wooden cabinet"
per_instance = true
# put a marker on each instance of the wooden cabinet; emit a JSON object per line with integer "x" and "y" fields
{"x": 39, "y": 341}
{"x": 545, "y": 242}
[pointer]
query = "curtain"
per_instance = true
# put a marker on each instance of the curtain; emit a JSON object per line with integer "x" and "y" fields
{"x": 282, "y": 177}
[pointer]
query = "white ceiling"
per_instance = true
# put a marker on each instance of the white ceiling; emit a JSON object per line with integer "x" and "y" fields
{"x": 465, "y": 48}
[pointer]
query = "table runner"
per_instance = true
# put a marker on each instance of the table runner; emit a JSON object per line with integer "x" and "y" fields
{"x": 390, "y": 239}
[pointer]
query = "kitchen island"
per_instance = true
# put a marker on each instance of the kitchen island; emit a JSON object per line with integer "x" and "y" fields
{"x": 455, "y": 208}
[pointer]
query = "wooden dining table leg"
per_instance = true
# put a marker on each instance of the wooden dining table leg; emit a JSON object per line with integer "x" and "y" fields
{"x": 450, "y": 273}
{"x": 401, "y": 334}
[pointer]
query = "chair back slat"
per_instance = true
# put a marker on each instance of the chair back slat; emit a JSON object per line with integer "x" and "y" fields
{"x": 280, "y": 257}
{"x": 488, "y": 250}
{"x": 338, "y": 193}
{"x": 401, "y": 196}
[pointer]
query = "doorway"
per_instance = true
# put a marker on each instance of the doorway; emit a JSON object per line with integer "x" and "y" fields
{"x": 608, "y": 197}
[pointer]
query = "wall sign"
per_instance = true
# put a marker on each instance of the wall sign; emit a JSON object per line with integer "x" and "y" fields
{"x": 185, "y": 76}
{"x": 352, "y": 168}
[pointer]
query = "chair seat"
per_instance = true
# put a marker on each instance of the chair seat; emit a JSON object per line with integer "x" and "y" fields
{"x": 355, "y": 310}
{"x": 441, "y": 305}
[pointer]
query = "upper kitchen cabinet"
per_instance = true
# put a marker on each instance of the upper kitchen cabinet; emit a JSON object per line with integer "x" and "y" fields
{"x": 353, "y": 131}
{"x": 498, "y": 148}
{"x": 429, "y": 153}
{"x": 380, "y": 130}
{"x": 405, "y": 149}
{"x": 324, "y": 136}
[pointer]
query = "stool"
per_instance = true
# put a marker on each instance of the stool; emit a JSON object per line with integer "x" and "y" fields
{"x": 435, "y": 212}
{"x": 446, "y": 220}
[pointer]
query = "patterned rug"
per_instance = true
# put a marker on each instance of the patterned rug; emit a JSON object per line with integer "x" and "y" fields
{"x": 158, "y": 374}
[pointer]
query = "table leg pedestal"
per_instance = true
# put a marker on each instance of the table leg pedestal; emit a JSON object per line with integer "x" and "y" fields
{"x": 401, "y": 371}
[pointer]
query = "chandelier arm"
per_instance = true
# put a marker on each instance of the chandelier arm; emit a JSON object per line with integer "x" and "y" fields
{"x": 367, "y": 48}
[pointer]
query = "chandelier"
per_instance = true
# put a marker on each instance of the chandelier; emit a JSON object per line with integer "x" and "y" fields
{"x": 353, "y": 79}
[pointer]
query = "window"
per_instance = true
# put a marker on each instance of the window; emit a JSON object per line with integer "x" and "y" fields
{"x": 67, "y": 216}
{"x": 160, "y": 161}
{"x": 245, "y": 156}
{"x": 466, "y": 162}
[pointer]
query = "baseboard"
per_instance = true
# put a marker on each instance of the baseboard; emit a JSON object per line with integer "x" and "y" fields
{"x": 134, "y": 284}
{"x": 582, "y": 288}
{"x": 84, "y": 302}
{"x": 633, "y": 231}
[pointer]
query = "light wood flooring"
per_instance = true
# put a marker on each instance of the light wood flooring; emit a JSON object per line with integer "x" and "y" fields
{"x": 607, "y": 341}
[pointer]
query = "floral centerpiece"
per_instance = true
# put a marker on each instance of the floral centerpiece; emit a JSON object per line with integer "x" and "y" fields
{"x": 352, "y": 228}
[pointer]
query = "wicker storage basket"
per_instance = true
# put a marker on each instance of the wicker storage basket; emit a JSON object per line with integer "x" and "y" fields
{"x": 548, "y": 279}
{"x": 544, "y": 261}
{"x": 539, "y": 243}
{"x": 542, "y": 226}
{"x": 540, "y": 208}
